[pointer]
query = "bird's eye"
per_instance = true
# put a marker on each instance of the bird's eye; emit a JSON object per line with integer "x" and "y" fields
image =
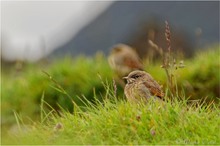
{"x": 135, "y": 76}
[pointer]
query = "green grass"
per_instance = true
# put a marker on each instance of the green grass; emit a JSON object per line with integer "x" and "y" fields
{"x": 200, "y": 78}
{"x": 119, "y": 122}
{"x": 22, "y": 90}
{"x": 111, "y": 120}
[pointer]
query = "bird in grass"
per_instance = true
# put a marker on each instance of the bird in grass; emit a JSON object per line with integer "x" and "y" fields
{"x": 141, "y": 87}
{"x": 123, "y": 59}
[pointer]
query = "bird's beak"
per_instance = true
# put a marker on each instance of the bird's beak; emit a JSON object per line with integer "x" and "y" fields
{"x": 125, "y": 78}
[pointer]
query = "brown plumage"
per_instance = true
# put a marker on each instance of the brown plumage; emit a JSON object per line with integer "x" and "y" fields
{"x": 123, "y": 59}
{"x": 141, "y": 86}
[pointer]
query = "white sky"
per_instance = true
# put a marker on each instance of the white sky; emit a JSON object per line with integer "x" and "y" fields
{"x": 31, "y": 29}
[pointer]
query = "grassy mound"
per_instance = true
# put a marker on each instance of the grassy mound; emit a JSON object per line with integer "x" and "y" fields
{"x": 109, "y": 122}
{"x": 119, "y": 122}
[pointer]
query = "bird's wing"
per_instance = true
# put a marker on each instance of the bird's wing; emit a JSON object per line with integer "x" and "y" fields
{"x": 133, "y": 62}
{"x": 154, "y": 87}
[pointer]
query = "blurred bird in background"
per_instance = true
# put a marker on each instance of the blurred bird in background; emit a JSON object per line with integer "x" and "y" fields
{"x": 123, "y": 59}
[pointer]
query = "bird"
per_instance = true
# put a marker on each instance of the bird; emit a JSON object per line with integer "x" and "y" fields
{"x": 123, "y": 59}
{"x": 141, "y": 86}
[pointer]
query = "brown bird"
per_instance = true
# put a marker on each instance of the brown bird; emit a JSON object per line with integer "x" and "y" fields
{"x": 123, "y": 59}
{"x": 141, "y": 86}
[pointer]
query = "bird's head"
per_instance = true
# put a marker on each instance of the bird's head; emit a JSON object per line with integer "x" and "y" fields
{"x": 134, "y": 75}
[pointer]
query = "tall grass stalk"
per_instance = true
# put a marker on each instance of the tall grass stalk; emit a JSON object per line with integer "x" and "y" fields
{"x": 169, "y": 63}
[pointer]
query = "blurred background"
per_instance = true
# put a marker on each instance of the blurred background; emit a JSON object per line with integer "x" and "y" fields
{"x": 33, "y": 30}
